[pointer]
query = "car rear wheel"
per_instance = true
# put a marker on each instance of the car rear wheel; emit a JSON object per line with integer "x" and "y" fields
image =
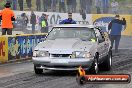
{"x": 38, "y": 71}
{"x": 106, "y": 65}
{"x": 94, "y": 68}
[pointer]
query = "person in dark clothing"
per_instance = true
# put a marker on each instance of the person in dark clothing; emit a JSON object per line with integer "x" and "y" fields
{"x": 44, "y": 23}
{"x": 48, "y": 4}
{"x": 69, "y": 20}
{"x": 62, "y": 5}
{"x": 83, "y": 4}
{"x": 25, "y": 18}
{"x": 74, "y": 4}
{"x": 88, "y": 6}
{"x": 83, "y": 13}
{"x": 38, "y": 5}
{"x": 29, "y": 5}
{"x": 9, "y": 1}
{"x": 14, "y": 4}
{"x": 69, "y": 5}
{"x": 33, "y": 21}
{"x": 20, "y": 2}
{"x": 98, "y": 6}
{"x": 115, "y": 28}
{"x": 53, "y": 5}
{"x": 45, "y": 5}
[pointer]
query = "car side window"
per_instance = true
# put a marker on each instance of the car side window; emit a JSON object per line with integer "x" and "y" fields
{"x": 99, "y": 35}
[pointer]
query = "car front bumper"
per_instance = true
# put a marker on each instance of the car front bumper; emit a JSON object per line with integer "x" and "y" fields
{"x": 61, "y": 63}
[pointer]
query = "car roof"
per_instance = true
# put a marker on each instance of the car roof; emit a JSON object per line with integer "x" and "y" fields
{"x": 74, "y": 25}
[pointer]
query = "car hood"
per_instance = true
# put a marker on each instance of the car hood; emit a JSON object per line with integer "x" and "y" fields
{"x": 65, "y": 45}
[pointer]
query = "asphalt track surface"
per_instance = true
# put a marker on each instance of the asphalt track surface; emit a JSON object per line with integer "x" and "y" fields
{"x": 21, "y": 74}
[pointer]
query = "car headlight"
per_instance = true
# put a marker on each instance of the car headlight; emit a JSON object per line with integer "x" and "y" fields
{"x": 82, "y": 54}
{"x": 40, "y": 54}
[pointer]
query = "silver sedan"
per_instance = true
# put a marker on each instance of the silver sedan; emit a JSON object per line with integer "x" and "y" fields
{"x": 69, "y": 46}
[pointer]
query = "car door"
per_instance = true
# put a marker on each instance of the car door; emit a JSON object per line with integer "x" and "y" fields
{"x": 101, "y": 44}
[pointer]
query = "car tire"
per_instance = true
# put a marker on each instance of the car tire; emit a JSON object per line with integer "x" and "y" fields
{"x": 106, "y": 65}
{"x": 94, "y": 68}
{"x": 38, "y": 71}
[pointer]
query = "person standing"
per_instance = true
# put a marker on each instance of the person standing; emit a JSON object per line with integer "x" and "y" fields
{"x": 114, "y": 5}
{"x": 29, "y": 5}
{"x": 14, "y": 4}
{"x": 62, "y": 5}
{"x": 45, "y": 5}
{"x": 74, "y": 4}
{"x": 33, "y": 21}
{"x": 53, "y": 5}
{"x": 88, "y": 6}
{"x": 83, "y": 5}
{"x": 48, "y": 4}
{"x": 20, "y": 2}
{"x": 105, "y": 6}
{"x": 25, "y": 20}
{"x": 98, "y": 5}
{"x": 115, "y": 28}
{"x": 38, "y": 5}
{"x": 69, "y": 5}
{"x": 7, "y": 16}
{"x": 69, "y": 20}
{"x": 83, "y": 13}
{"x": 44, "y": 23}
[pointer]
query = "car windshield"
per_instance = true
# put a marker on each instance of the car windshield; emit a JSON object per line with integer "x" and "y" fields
{"x": 82, "y": 33}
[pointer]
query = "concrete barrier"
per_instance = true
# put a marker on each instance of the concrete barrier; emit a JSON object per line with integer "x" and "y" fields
{"x": 18, "y": 47}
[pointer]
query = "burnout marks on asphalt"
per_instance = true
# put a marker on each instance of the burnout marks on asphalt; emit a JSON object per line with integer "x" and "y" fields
{"x": 122, "y": 63}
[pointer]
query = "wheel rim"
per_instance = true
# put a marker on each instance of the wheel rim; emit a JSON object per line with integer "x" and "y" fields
{"x": 110, "y": 60}
{"x": 96, "y": 66}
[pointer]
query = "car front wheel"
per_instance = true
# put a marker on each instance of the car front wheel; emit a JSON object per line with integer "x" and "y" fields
{"x": 38, "y": 71}
{"x": 106, "y": 65}
{"x": 94, "y": 68}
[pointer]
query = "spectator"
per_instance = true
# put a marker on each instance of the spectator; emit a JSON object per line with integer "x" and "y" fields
{"x": 88, "y": 6}
{"x": 45, "y": 4}
{"x": 105, "y": 6}
{"x": 48, "y": 4}
{"x": 29, "y": 5}
{"x": 83, "y": 4}
{"x": 83, "y": 13}
{"x": 33, "y": 21}
{"x": 10, "y": 1}
{"x": 14, "y": 4}
{"x": 69, "y": 20}
{"x": 38, "y": 5}
{"x": 20, "y": 2}
{"x": 7, "y": 16}
{"x": 115, "y": 28}
{"x": 44, "y": 23}
{"x": 25, "y": 18}
{"x": 114, "y": 5}
{"x": 69, "y": 5}
{"x": 74, "y": 4}
{"x": 98, "y": 6}
{"x": 53, "y": 5}
{"x": 62, "y": 5}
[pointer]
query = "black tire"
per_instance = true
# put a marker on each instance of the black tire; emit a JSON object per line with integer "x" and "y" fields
{"x": 94, "y": 68}
{"x": 106, "y": 65}
{"x": 38, "y": 71}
